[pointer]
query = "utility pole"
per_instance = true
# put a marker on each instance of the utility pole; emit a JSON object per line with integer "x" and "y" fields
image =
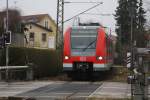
{"x": 7, "y": 48}
{"x": 60, "y": 23}
{"x": 131, "y": 50}
{"x": 60, "y": 30}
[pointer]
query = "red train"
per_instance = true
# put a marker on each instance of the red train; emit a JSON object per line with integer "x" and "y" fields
{"x": 87, "y": 49}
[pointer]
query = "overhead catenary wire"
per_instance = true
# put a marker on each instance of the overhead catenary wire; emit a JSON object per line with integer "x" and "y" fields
{"x": 98, "y": 14}
{"x": 82, "y": 12}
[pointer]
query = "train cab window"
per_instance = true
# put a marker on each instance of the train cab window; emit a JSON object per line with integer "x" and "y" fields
{"x": 83, "y": 38}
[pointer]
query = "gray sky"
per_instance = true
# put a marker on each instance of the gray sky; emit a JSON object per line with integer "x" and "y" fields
{"x": 30, "y": 7}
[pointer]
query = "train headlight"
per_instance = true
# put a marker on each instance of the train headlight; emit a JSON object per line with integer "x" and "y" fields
{"x": 66, "y": 57}
{"x": 100, "y": 58}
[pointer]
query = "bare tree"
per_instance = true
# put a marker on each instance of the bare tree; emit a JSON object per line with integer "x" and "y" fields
{"x": 14, "y": 20}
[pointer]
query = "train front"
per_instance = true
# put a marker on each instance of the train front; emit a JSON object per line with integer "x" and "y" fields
{"x": 80, "y": 49}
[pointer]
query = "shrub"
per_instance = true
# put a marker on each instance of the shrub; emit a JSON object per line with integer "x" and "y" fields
{"x": 45, "y": 62}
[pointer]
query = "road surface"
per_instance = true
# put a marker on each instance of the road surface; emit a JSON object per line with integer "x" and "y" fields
{"x": 65, "y": 90}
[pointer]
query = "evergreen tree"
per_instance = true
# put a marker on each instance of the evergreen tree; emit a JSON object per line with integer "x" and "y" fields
{"x": 123, "y": 29}
{"x": 129, "y": 12}
{"x": 122, "y": 18}
{"x": 141, "y": 42}
{"x": 14, "y": 20}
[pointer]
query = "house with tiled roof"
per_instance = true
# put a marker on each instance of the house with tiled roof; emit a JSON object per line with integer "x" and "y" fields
{"x": 40, "y": 31}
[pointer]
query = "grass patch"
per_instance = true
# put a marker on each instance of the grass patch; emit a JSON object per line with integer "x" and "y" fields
{"x": 117, "y": 74}
{"x": 120, "y": 74}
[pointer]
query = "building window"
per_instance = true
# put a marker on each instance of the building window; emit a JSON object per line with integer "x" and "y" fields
{"x": 31, "y": 36}
{"x": 46, "y": 24}
{"x": 44, "y": 37}
{"x": 30, "y": 26}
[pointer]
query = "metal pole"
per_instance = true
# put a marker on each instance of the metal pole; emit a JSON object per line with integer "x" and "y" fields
{"x": 131, "y": 46}
{"x": 7, "y": 48}
{"x": 59, "y": 29}
{"x": 131, "y": 40}
{"x": 60, "y": 22}
{"x": 131, "y": 54}
{"x": 7, "y": 16}
{"x": 62, "y": 38}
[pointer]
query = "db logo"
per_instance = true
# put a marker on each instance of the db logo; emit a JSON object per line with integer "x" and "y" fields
{"x": 82, "y": 58}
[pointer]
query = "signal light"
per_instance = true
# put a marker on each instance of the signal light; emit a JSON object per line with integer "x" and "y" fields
{"x": 7, "y": 37}
{"x": 66, "y": 57}
{"x": 2, "y": 42}
{"x": 100, "y": 58}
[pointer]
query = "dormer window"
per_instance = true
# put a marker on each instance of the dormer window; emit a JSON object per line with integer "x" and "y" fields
{"x": 46, "y": 24}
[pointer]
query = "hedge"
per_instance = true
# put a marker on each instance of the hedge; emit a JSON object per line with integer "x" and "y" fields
{"x": 45, "y": 62}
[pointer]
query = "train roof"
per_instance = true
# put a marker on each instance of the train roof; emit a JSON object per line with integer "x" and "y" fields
{"x": 85, "y": 27}
{"x": 107, "y": 31}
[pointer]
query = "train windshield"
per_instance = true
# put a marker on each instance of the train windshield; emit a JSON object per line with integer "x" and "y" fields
{"x": 83, "y": 39}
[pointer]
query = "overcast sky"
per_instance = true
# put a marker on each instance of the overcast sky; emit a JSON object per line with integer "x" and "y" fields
{"x": 30, "y": 7}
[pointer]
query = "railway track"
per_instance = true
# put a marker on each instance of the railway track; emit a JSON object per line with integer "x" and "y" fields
{"x": 63, "y": 90}
{"x": 53, "y": 90}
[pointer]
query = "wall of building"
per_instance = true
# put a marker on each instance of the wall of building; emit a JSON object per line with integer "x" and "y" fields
{"x": 51, "y": 24}
{"x": 37, "y": 36}
{"x": 50, "y": 36}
